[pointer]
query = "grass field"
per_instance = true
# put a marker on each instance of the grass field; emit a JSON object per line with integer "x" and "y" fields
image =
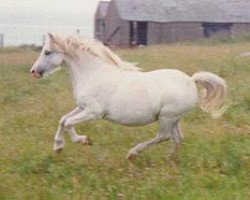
{"x": 213, "y": 164}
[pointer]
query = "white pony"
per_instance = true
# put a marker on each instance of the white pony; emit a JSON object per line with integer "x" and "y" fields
{"x": 107, "y": 88}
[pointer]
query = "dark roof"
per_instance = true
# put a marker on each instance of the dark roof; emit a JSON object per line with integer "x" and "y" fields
{"x": 103, "y": 8}
{"x": 184, "y": 10}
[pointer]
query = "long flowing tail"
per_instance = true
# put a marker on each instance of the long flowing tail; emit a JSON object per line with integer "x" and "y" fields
{"x": 213, "y": 96}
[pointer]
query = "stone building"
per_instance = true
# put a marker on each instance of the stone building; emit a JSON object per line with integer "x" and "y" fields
{"x": 146, "y": 22}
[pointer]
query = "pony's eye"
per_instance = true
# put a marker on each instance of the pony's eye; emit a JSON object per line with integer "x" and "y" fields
{"x": 47, "y": 53}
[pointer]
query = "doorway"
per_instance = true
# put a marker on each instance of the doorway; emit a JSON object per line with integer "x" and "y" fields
{"x": 142, "y": 33}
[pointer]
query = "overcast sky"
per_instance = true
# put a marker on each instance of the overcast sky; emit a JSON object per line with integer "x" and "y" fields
{"x": 75, "y": 6}
{"x": 24, "y": 21}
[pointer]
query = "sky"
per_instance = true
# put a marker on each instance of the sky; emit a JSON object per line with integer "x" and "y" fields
{"x": 72, "y": 6}
{"x": 24, "y": 21}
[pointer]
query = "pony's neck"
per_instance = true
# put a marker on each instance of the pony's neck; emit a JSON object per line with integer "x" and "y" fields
{"x": 88, "y": 63}
{"x": 85, "y": 68}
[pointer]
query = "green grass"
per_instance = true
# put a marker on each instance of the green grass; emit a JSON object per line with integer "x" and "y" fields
{"x": 213, "y": 163}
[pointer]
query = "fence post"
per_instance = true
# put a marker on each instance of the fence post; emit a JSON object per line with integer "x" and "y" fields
{"x": 1, "y": 40}
{"x": 78, "y": 31}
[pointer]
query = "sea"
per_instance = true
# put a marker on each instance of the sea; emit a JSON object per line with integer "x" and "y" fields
{"x": 30, "y": 26}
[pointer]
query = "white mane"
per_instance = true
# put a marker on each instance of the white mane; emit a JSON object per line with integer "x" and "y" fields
{"x": 74, "y": 46}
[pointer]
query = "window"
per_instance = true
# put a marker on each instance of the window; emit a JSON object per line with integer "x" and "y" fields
{"x": 212, "y": 29}
{"x": 100, "y": 26}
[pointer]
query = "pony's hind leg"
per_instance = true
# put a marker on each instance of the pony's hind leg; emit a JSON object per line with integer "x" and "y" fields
{"x": 177, "y": 138}
{"x": 141, "y": 146}
{"x": 166, "y": 126}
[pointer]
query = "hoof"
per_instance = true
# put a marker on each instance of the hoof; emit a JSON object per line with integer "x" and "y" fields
{"x": 86, "y": 141}
{"x": 131, "y": 157}
{"x": 58, "y": 151}
{"x": 173, "y": 155}
{"x": 58, "y": 146}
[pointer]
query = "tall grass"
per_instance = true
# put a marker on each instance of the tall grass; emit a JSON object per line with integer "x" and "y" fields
{"x": 214, "y": 162}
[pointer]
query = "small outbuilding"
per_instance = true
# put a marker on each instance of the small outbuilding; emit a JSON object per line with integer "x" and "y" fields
{"x": 146, "y": 22}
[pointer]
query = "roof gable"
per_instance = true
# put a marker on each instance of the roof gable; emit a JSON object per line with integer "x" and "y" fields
{"x": 102, "y": 9}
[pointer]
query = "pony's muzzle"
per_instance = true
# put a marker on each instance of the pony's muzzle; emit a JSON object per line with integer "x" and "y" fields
{"x": 36, "y": 73}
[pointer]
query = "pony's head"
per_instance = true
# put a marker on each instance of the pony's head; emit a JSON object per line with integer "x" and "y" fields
{"x": 49, "y": 59}
{"x": 58, "y": 49}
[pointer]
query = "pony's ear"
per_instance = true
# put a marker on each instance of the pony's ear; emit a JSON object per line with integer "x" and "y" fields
{"x": 51, "y": 37}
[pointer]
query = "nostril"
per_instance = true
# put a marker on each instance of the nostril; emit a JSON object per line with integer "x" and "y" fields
{"x": 32, "y": 71}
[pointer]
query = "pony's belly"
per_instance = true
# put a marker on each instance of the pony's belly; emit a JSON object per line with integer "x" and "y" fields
{"x": 131, "y": 120}
{"x": 134, "y": 107}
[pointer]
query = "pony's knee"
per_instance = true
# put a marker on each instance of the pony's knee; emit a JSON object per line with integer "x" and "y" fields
{"x": 68, "y": 123}
{"x": 62, "y": 121}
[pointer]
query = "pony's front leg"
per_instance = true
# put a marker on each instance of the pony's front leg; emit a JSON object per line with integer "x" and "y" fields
{"x": 67, "y": 123}
{"x": 59, "y": 140}
{"x": 77, "y": 138}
